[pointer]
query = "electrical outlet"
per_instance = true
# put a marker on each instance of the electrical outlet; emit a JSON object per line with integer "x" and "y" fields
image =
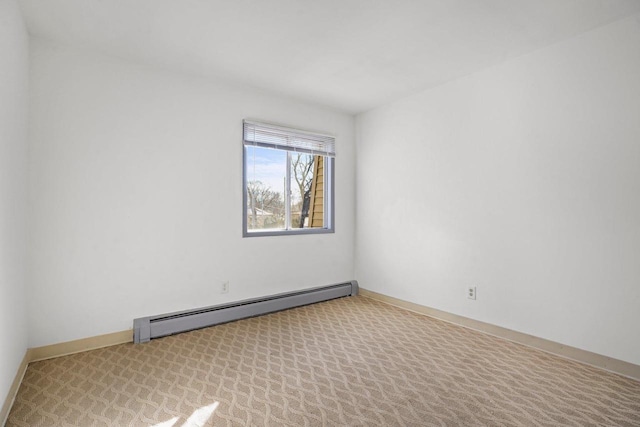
{"x": 224, "y": 288}
{"x": 471, "y": 292}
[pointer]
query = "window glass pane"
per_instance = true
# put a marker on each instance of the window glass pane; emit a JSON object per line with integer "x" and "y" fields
{"x": 266, "y": 171}
{"x": 307, "y": 191}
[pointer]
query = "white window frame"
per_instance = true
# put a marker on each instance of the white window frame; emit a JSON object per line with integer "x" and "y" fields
{"x": 291, "y": 140}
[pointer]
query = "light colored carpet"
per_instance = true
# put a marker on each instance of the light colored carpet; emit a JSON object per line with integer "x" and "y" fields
{"x": 347, "y": 362}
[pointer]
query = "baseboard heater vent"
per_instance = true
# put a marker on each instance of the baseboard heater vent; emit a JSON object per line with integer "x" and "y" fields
{"x": 147, "y": 328}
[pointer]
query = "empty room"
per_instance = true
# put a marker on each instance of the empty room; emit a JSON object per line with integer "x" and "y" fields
{"x": 319, "y": 213}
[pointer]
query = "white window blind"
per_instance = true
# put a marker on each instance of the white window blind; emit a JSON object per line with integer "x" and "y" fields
{"x": 282, "y": 138}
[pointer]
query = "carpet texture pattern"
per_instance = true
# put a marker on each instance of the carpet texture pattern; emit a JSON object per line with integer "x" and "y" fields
{"x": 346, "y": 362}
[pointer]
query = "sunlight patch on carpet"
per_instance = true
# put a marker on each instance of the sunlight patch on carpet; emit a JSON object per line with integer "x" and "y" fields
{"x": 201, "y": 416}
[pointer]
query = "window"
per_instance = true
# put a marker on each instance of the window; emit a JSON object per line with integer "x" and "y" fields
{"x": 288, "y": 181}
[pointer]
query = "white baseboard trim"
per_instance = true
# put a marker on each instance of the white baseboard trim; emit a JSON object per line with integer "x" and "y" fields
{"x": 56, "y": 350}
{"x": 13, "y": 390}
{"x": 610, "y": 364}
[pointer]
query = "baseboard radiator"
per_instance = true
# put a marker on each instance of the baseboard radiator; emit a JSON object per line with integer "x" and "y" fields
{"x": 148, "y": 328}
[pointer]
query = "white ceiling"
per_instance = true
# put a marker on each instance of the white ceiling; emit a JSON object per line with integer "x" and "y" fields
{"x": 351, "y": 55}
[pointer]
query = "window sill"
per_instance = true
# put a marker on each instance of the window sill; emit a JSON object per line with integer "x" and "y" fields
{"x": 299, "y": 231}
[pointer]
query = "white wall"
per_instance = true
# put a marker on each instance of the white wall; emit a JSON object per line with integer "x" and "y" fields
{"x": 136, "y": 196}
{"x": 523, "y": 180}
{"x": 14, "y": 56}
